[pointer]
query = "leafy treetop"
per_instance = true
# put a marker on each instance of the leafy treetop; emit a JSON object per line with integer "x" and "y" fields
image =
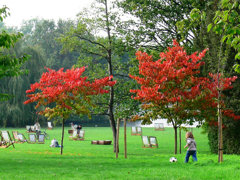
{"x": 170, "y": 87}
{"x": 68, "y": 90}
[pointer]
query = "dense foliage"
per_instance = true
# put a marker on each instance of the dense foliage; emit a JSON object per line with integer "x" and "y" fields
{"x": 10, "y": 65}
{"x": 154, "y": 22}
{"x": 13, "y": 112}
{"x": 68, "y": 90}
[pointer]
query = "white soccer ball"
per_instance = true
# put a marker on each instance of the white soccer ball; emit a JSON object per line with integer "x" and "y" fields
{"x": 173, "y": 159}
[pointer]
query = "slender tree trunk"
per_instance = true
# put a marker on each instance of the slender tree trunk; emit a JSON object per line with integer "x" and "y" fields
{"x": 220, "y": 141}
{"x": 219, "y": 111}
{"x": 114, "y": 138}
{"x": 117, "y": 144}
{"x": 111, "y": 118}
{"x": 111, "y": 98}
{"x": 180, "y": 141}
{"x": 125, "y": 138}
{"x": 62, "y": 136}
{"x": 110, "y": 110}
{"x": 175, "y": 133}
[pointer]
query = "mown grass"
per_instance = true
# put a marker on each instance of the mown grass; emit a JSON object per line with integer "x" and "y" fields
{"x": 81, "y": 160}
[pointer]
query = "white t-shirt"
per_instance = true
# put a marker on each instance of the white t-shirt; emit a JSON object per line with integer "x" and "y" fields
{"x": 192, "y": 146}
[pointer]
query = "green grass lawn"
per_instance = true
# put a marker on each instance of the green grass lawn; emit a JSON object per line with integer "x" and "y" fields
{"x": 82, "y": 160}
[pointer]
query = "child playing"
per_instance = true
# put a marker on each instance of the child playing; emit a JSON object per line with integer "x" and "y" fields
{"x": 191, "y": 144}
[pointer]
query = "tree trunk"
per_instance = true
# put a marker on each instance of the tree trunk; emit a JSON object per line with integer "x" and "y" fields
{"x": 114, "y": 130}
{"x": 111, "y": 100}
{"x": 175, "y": 133}
{"x": 109, "y": 59}
{"x": 180, "y": 141}
{"x": 125, "y": 138}
{"x": 111, "y": 119}
{"x": 62, "y": 136}
{"x": 117, "y": 144}
{"x": 220, "y": 141}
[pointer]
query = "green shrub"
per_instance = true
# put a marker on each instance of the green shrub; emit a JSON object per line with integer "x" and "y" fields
{"x": 231, "y": 137}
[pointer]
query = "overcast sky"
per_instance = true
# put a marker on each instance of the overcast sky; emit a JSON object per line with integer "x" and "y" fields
{"x": 46, "y": 9}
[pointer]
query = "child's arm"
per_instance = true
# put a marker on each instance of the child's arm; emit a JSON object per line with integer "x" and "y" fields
{"x": 188, "y": 143}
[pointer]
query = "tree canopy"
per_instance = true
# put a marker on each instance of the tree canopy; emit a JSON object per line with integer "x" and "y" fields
{"x": 9, "y": 64}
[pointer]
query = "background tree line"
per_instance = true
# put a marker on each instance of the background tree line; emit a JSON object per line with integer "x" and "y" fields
{"x": 38, "y": 42}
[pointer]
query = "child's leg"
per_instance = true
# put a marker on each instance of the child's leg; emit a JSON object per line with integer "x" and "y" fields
{"x": 194, "y": 156}
{"x": 187, "y": 157}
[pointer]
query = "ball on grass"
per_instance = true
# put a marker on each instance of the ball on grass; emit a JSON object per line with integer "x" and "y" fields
{"x": 173, "y": 159}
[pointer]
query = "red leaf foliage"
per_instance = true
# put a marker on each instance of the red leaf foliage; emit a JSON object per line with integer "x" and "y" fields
{"x": 172, "y": 86}
{"x": 67, "y": 89}
{"x": 171, "y": 78}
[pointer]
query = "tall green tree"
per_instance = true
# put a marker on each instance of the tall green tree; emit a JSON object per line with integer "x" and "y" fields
{"x": 226, "y": 22}
{"x": 94, "y": 37}
{"x": 221, "y": 57}
{"x": 153, "y": 23}
{"x": 9, "y": 64}
{"x": 227, "y": 26}
{"x": 42, "y": 34}
{"x": 14, "y": 113}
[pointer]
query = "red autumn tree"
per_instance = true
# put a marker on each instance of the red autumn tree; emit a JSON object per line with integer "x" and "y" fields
{"x": 218, "y": 85}
{"x": 68, "y": 90}
{"x": 171, "y": 88}
{"x": 215, "y": 98}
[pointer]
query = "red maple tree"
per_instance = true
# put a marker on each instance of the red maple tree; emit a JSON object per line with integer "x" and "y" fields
{"x": 68, "y": 90}
{"x": 171, "y": 88}
{"x": 216, "y": 86}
